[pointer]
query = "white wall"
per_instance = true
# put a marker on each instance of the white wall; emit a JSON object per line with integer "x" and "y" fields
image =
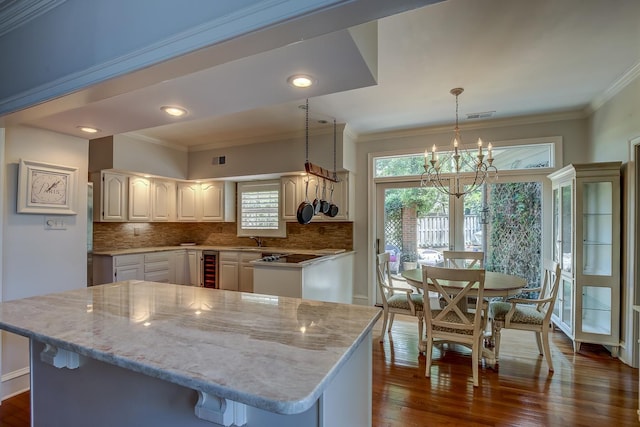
{"x": 283, "y": 155}
{"x": 36, "y": 261}
{"x": 572, "y": 130}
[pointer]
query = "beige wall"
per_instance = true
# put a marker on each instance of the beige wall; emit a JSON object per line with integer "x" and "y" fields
{"x": 613, "y": 128}
{"x": 37, "y": 261}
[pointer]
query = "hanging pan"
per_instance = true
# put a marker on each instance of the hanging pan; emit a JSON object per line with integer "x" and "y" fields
{"x": 333, "y": 209}
{"x": 317, "y": 203}
{"x": 305, "y": 209}
{"x": 324, "y": 205}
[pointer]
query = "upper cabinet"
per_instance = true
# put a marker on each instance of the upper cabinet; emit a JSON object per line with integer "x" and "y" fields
{"x": 208, "y": 201}
{"x": 297, "y": 188}
{"x": 109, "y": 196}
{"x": 122, "y": 197}
{"x": 139, "y": 199}
{"x": 586, "y": 237}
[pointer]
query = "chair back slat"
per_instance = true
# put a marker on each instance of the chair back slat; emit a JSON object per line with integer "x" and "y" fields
{"x": 463, "y": 259}
{"x": 452, "y": 287}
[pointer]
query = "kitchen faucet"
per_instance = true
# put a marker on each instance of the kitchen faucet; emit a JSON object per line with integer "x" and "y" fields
{"x": 258, "y": 240}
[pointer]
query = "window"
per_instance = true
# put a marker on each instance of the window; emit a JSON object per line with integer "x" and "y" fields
{"x": 259, "y": 209}
{"x": 506, "y": 158}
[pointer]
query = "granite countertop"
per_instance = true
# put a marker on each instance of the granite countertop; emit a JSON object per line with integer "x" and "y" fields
{"x": 273, "y": 353}
{"x": 265, "y": 249}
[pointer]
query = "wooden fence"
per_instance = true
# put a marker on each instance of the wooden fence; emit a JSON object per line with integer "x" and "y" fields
{"x": 433, "y": 231}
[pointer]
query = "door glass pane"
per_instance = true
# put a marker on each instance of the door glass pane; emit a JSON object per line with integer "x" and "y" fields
{"x": 567, "y": 306}
{"x": 597, "y": 228}
{"x": 416, "y": 226}
{"x": 566, "y": 223}
{"x": 596, "y": 310}
{"x": 514, "y": 230}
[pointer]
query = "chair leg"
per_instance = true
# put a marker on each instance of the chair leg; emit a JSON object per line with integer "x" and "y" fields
{"x": 497, "y": 326}
{"x": 427, "y": 353}
{"x": 477, "y": 346}
{"x": 391, "y": 321}
{"x": 544, "y": 336}
{"x": 420, "y": 332}
{"x": 539, "y": 343}
{"x": 384, "y": 325}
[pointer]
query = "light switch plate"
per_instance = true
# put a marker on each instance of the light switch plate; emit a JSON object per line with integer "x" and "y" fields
{"x": 54, "y": 223}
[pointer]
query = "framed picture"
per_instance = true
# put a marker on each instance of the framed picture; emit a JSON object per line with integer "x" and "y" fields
{"x": 46, "y": 189}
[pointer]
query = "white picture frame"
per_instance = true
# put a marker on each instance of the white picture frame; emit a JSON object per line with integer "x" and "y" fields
{"x": 45, "y": 188}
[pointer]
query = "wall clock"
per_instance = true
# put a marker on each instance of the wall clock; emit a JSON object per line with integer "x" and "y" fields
{"x": 45, "y": 188}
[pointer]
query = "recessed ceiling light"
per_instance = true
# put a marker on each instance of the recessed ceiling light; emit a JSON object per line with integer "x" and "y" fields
{"x": 301, "y": 80}
{"x": 174, "y": 111}
{"x": 88, "y": 129}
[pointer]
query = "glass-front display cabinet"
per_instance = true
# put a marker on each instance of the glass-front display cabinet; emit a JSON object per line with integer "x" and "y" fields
{"x": 586, "y": 243}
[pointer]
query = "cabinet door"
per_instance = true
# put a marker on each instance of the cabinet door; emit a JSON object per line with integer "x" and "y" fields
{"x": 114, "y": 197}
{"x": 245, "y": 281}
{"x": 194, "y": 259}
{"x": 181, "y": 268}
{"x": 290, "y": 196}
{"x": 128, "y": 272}
{"x": 188, "y": 206}
{"x": 340, "y": 197}
{"x": 212, "y": 195}
{"x": 163, "y": 200}
{"x": 139, "y": 199}
{"x": 229, "y": 275}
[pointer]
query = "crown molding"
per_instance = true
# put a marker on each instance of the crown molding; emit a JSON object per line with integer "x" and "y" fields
{"x": 617, "y": 87}
{"x": 514, "y": 121}
{"x": 15, "y": 13}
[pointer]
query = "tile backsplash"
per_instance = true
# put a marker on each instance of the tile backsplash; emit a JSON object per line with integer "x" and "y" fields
{"x": 127, "y": 235}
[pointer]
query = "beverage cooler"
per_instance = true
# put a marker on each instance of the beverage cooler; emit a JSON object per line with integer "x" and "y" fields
{"x": 210, "y": 269}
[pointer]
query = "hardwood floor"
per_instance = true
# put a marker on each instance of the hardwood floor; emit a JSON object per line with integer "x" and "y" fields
{"x": 14, "y": 412}
{"x": 587, "y": 389}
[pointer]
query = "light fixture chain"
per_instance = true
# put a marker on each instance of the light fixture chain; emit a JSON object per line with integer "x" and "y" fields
{"x": 306, "y": 130}
{"x": 334, "y": 149}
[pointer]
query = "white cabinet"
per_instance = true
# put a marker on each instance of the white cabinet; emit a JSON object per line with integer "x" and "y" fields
{"x": 245, "y": 280}
{"x": 208, "y": 201}
{"x": 294, "y": 191}
{"x": 163, "y": 200}
{"x": 107, "y": 269}
{"x": 160, "y": 266}
{"x": 109, "y": 196}
{"x": 139, "y": 199}
{"x": 182, "y": 268}
{"x": 194, "y": 263}
{"x": 229, "y": 270}
{"x": 586, "y": 237}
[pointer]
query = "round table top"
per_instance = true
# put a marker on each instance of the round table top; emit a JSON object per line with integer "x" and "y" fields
{"x": 495, "y": 284}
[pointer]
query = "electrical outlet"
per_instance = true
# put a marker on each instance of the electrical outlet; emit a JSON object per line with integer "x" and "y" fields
{"x": 136, "y": 231}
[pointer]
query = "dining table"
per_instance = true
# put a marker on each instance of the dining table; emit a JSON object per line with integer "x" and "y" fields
{"x": 495, "y": 285}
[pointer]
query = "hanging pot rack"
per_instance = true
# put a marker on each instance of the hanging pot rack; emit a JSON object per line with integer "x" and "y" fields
{"x": 309, "y": 167}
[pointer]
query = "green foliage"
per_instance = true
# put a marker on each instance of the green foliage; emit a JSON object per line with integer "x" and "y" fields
{"x": 409, "y": 256}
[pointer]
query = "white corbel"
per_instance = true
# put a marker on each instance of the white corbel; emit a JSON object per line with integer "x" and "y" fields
{"x": 220, "y": 411}
{"x": 60, "y": 358}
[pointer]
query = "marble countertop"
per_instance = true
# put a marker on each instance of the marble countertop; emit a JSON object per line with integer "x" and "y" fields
{"x": 273, "y": 353}
{"x": 265, "y": 249}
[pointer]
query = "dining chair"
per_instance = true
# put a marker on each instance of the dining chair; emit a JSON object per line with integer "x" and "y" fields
{"x": 446, "y": 320}
{"x": 396, "y": 300}
{"x": 529, "y": 314}
{"x": 463, "y": 259}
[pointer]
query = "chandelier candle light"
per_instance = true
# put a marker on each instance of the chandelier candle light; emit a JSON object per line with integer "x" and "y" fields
{"x": 461, "y": 163}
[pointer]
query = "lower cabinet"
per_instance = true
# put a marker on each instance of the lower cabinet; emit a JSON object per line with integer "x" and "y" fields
{"x": 229, "y": 270}
{"x": 193, "y": 275}
{"x": 236, "y": 270}
{"x": 107, "y": 269}
{"x": 245, "y": 283}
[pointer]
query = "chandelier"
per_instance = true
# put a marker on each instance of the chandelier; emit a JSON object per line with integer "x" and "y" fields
{"x": 467, "y": 167}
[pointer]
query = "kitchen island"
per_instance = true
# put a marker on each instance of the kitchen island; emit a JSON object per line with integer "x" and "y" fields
{"x": 145, "y": 353}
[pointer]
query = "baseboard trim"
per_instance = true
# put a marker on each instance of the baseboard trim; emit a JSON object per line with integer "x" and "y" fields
{"x": 15, "y": 374}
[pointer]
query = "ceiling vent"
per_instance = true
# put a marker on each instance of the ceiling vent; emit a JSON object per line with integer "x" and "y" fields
{"x": 483, "y": 115}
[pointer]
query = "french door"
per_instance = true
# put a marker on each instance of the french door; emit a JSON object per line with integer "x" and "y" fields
{"x": 502, "y": 219}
